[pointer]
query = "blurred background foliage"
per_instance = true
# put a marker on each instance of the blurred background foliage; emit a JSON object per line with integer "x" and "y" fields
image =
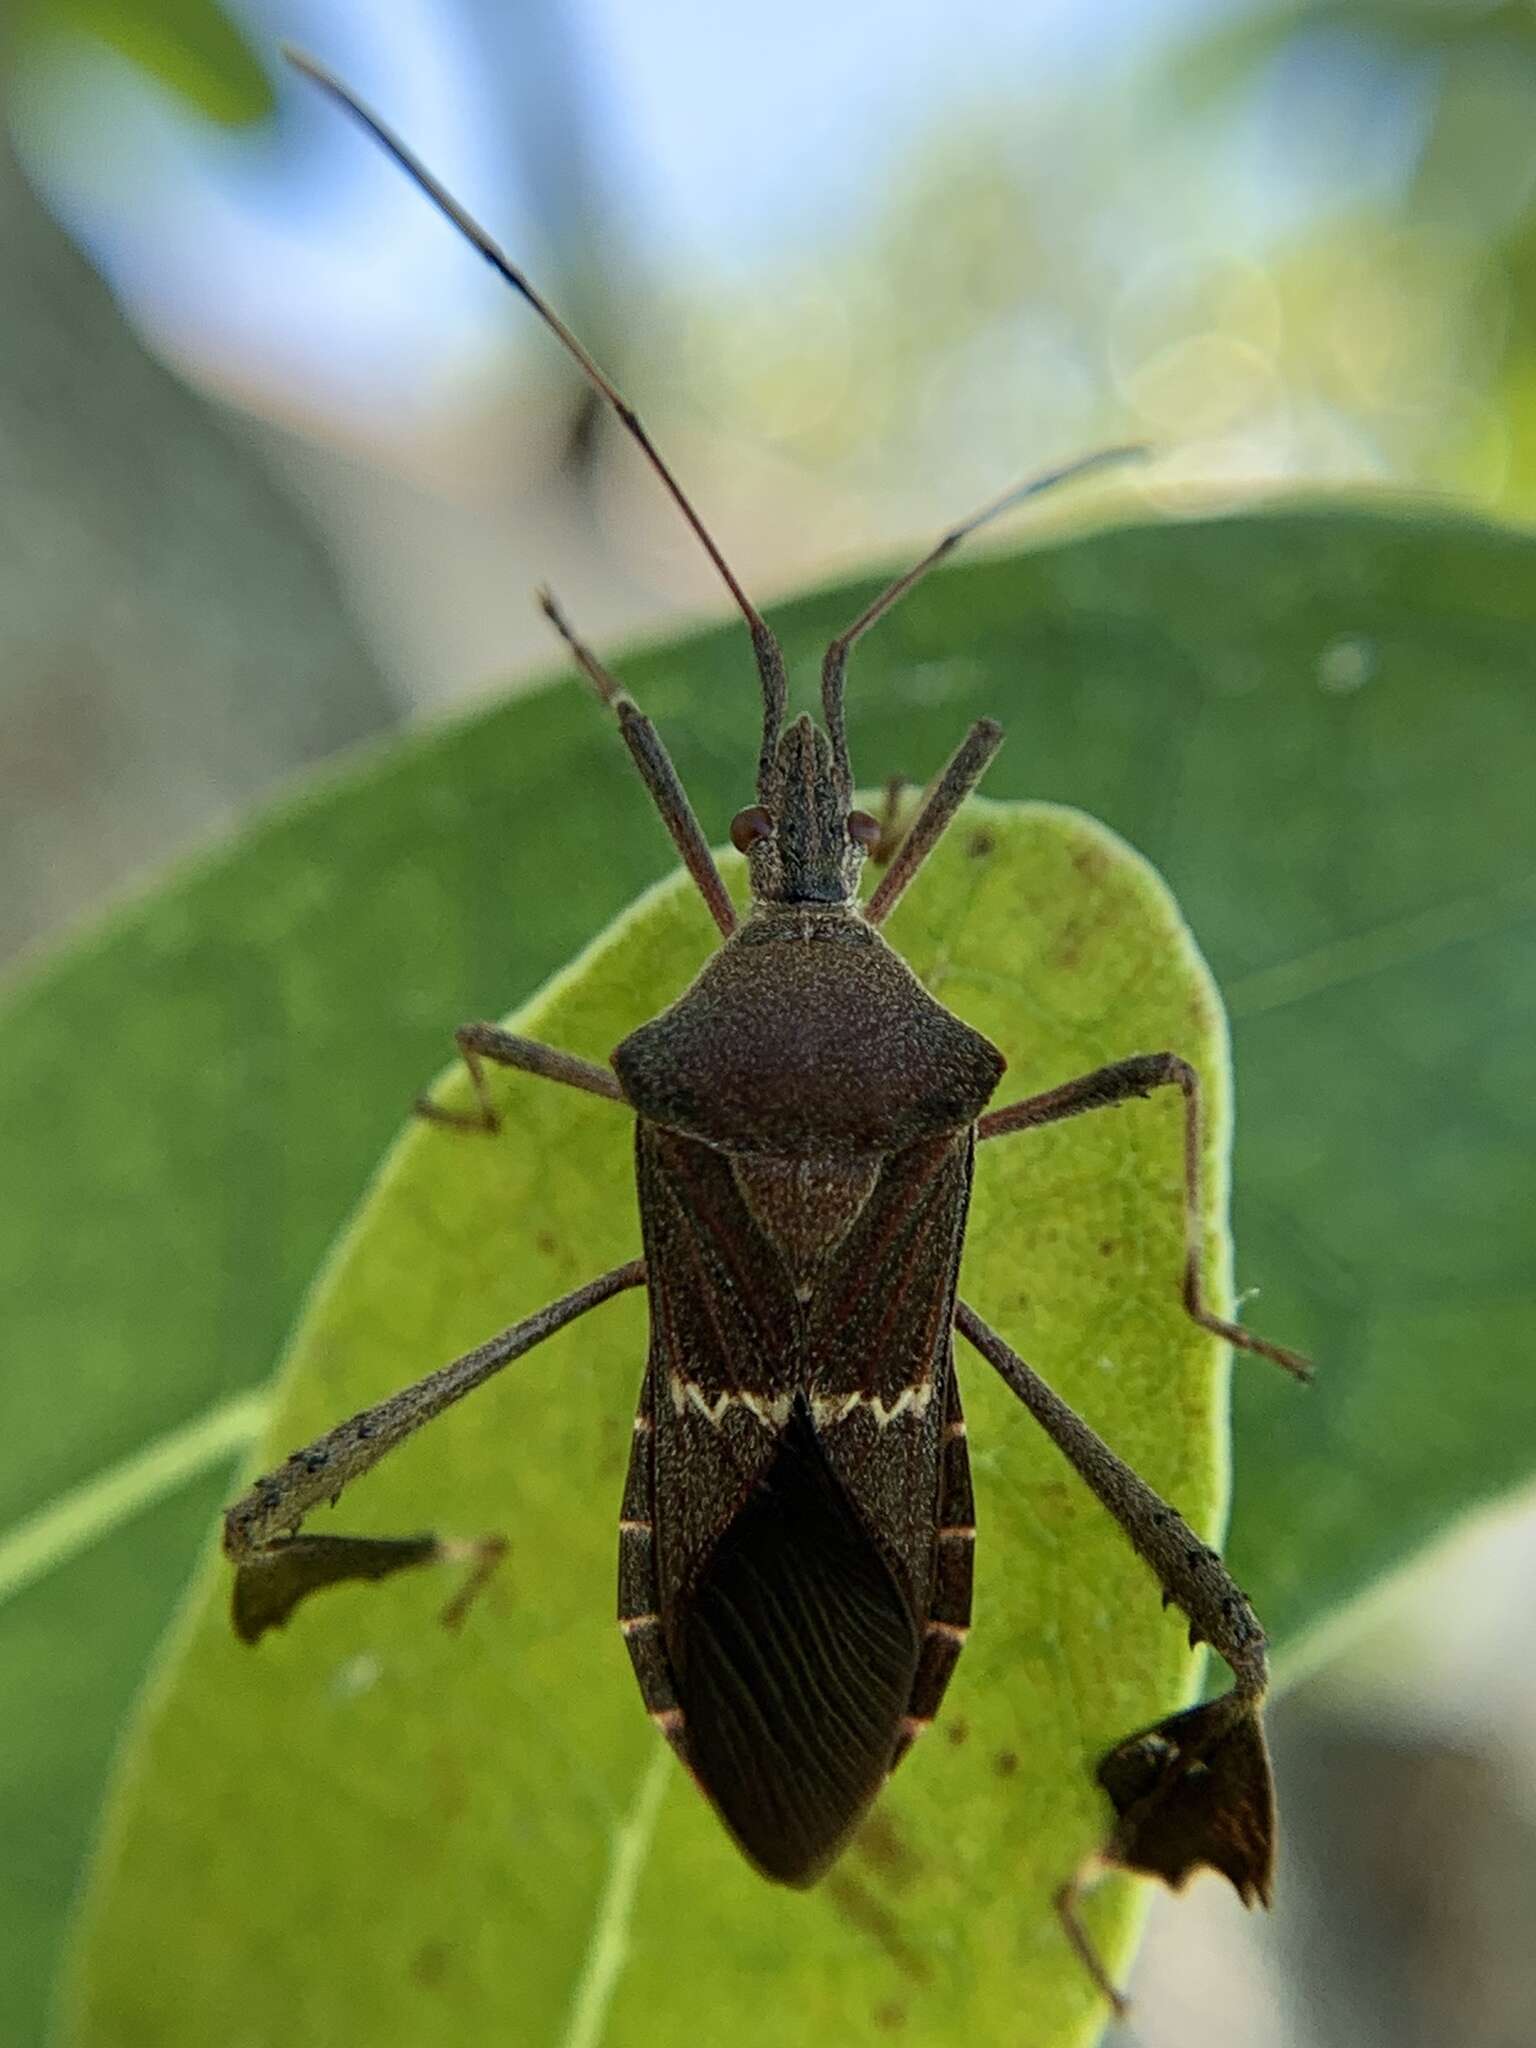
{"x": 1279, "y": 242}
{"x": 862, "y": 268}
{"x": 280, "y": 465}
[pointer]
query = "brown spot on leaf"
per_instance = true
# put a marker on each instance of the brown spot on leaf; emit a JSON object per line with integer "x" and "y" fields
{"x": 429, "y": 1965}
{"x": 957, "y": 1732}
{"x": 1007, "y": 1763}
{"x": 882, "y": 1846}
{"x": 890, "y": 2018}
{"x": 1091, "y": 861}
{"x": 451, "y": 1797}
{"x": 980, "y": 844}
{"x": 546, "y": 1244}
{"x": 1106, "y": 1247}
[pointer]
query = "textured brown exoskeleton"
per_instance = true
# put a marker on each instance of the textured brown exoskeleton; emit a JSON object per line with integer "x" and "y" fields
{"x": 796, "y": 1534}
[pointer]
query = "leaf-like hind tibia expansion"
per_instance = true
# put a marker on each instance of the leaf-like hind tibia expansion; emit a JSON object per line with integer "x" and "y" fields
{"x": 1195, "y": 1791}
{"x": 267, "y": 1591}
{"x": 798, "y": 1655}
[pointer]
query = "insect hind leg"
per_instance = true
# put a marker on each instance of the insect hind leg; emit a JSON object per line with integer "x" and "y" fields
{"x": 276, "y": 1567}
{"x": 949, "y": 1605}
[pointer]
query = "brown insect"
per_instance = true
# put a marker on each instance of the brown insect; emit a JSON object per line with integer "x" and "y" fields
{"x": 796, "y": 1534}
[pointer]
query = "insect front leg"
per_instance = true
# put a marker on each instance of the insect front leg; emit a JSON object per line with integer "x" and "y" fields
{"x": 1194, "y": 1789}
{"x": 889, "y": 819}
{"x": 276, "y": 1567}
{"x": 1125, "y": 1081}
{"x": 480, "y": 1042}
{"x": 655, "y": 766}
{"x": 958, "y": 777}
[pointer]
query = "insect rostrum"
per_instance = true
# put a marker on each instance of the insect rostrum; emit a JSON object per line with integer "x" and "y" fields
{"x": 796, "y": 1532}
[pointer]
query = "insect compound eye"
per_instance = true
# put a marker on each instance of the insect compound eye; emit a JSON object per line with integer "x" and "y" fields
{"x": 750, "y": 827}
{"x": 864, "y": 830}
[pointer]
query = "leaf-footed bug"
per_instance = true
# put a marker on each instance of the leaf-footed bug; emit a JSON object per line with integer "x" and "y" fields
{"x": 797, "y": 1521}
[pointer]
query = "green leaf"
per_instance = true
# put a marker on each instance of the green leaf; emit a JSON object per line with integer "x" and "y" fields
{"x": 190, "y": 46}
{"x": 435, "y": 1826}
{"x": 1317, "y": 722}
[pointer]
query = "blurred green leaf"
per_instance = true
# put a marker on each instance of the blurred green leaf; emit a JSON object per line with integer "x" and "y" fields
{"x": 192, "y": 47}
{"x": 457, "y": 1876}
{"x": 1220, "y": 59}
{"x": 1464, "y": 82}
{"x": 1318, "y": 722}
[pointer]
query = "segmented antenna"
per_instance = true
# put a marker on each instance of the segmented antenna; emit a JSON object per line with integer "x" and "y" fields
{"x": 765, "y": 648}
{"x": 834, "y": 667}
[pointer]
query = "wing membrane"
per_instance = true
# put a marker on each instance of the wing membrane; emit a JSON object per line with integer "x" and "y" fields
{"x": 799, "y": 1652}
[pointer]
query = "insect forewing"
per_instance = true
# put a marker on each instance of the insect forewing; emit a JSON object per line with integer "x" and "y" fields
{"x": 795, "y": 1469}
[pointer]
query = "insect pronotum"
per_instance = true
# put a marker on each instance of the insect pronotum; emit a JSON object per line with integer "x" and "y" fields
{"x": 797, "y": 1519}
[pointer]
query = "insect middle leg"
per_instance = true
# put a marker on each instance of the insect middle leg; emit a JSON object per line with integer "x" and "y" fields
{"x": 1125, "y": 1081}
{"x": 480, "y": 1042}
{"x": 276, "y": 1567}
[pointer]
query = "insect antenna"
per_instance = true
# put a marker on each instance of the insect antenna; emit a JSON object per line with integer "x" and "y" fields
{"x": 765, "y": 648}
{"x": 834, "y": 667}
